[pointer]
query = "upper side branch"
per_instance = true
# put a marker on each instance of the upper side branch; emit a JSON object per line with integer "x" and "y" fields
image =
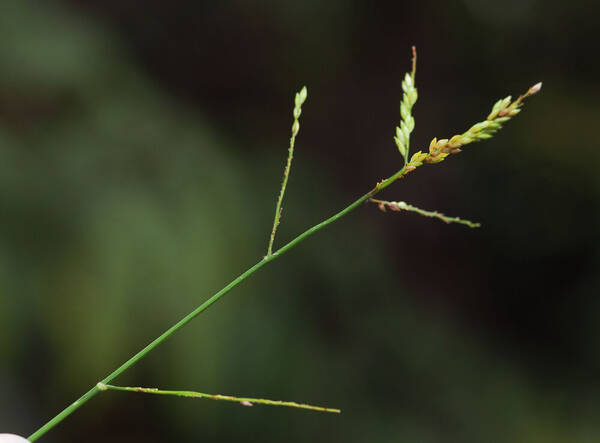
{"x": 298, "y": 101}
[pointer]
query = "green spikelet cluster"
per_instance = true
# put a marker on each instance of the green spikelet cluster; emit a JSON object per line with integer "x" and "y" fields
{"x": 299, "y": 100}
{"x": 407, "y": 122}
{"x": 502, "y": 112}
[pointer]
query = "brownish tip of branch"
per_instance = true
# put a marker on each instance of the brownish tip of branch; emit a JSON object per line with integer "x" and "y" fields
{"x": 414, "y": 63}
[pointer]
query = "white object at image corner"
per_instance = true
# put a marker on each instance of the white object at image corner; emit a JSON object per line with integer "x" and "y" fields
{"x": 12, "y": 438}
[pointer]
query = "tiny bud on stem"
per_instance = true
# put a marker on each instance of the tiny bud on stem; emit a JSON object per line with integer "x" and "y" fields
{"x": 535, "y": 88}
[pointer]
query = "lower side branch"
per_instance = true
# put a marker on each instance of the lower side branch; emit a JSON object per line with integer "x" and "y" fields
{"x": 403, "y": 206}
{"x": 245, "y": 401}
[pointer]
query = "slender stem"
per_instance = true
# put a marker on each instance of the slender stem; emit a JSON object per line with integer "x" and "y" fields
{"x": 278, "y": 208}
{"x": 245, "y": 401}
{"x": 69, "y": 410}
{"x": 208, "y": 303}
{"x": 403, "y": 206}
{"x": 64, "y": 414}
{"x": 299, "y": 100}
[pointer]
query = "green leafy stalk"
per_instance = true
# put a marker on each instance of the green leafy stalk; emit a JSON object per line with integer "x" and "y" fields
{"x": 245, "y": 401}
{"x": 403, "y": 206}
{"x": 409, "y": 98}
{"x": 298, "y": 102}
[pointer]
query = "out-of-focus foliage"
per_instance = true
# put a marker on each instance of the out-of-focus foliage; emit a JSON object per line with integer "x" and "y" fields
{"x": 140, "y": 156}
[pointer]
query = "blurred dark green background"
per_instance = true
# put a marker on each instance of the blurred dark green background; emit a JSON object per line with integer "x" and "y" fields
{"x": 141, "y": 149}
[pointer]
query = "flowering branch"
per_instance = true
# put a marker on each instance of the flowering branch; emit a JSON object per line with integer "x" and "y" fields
{"x": 244, "y": 401}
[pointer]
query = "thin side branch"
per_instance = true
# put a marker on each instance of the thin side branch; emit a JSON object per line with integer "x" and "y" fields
{"x": 245, "y": 401}
{"x": 403, "y": 206}
{"x": 298, "y": 101}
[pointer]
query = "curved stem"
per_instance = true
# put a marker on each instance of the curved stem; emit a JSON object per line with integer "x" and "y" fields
{"x": 208, "y": 303}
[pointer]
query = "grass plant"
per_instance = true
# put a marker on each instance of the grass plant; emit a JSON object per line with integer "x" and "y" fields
{"x": 438, "y": 151}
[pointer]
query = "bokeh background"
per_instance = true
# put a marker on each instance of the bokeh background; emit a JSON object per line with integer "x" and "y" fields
{"x": 141, "y": 150}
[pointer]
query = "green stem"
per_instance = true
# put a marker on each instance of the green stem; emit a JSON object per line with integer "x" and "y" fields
{"x": 246, "y": 401}
{"x": 208, "y": 303}
{"x": 278, "y": 208}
